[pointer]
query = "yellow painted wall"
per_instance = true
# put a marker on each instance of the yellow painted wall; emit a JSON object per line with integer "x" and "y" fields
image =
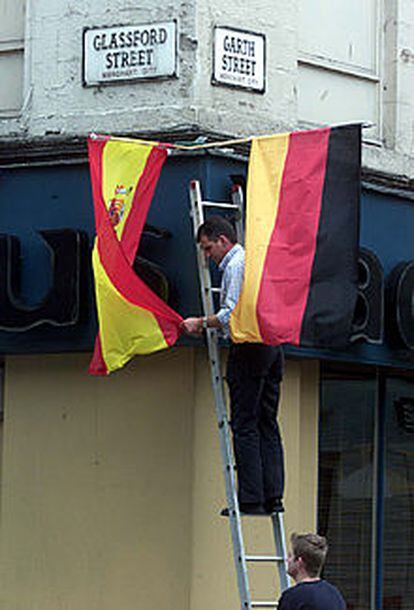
{"x": 111, "y": 488}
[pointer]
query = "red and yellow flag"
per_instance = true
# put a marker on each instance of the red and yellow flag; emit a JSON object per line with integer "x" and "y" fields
{"x": 132, "y": 318}
{"x": 302, "y": 229}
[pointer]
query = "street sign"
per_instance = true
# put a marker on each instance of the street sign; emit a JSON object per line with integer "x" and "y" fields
{"x": 133, "y": 52}
{"x": 239, "y": 59}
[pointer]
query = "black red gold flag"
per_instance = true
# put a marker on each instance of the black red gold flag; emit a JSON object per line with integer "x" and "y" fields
{"x": 302, "y": 232}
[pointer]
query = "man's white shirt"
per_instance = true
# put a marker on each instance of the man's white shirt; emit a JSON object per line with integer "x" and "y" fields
{"x": 232, "y": 267}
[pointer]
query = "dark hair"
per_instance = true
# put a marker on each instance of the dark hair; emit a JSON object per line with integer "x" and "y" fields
{"x": 312, "y": 549}
{"x": 215, "y": 226}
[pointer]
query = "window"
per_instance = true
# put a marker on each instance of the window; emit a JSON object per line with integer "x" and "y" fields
{"x": 340, "y": 62}
{"x": 11, "y": 55}
{"x": 398, "y": 495}
{"x": 366, "y": 484}
{"x": 1, "y": 421}
{"x": 346, "y": 480}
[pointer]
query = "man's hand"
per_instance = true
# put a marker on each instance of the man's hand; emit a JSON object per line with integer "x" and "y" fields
{"x": 192, "y": 326}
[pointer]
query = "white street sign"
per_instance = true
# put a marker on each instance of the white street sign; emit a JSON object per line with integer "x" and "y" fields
{"x": 239, "y": 59}
{"x": 129, "y": 52}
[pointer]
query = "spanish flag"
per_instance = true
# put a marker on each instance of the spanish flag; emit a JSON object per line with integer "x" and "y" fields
{"x": 302, "y": 232}
{"x": 132, "y": 318}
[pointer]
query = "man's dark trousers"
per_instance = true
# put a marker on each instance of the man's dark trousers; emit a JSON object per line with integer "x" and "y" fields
{"x": 254, "y": 372}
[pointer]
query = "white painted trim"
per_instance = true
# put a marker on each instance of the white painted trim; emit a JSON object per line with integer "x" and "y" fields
{"x": 380, "y": 66}
{"x": 8, "y": 46}
{"x": 325, "y": 63}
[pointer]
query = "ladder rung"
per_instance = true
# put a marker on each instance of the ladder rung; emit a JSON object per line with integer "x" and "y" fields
{"x": 264, "y": 604}
{"x": 273, "y": 558}
{"x": 212, "y": 289}
{"x": 219, "y": 204}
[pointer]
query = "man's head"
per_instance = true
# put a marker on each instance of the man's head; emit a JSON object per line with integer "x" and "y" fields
{"x": 307, "y": 557}
{"x": 216, "y": 237}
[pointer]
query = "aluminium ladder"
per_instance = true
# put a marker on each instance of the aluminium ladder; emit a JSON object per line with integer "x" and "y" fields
{"x": 241, "y": 559}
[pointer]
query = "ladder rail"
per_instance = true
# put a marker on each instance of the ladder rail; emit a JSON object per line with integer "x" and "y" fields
{"x": 280, "y": 543}
{"x": 237, "y": 200}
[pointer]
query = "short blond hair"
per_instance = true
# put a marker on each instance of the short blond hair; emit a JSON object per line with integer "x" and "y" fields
{"x": 312, "y": 549}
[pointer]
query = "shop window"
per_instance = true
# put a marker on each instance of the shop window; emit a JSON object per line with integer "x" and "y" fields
{"x": 1, "y": 421}
{"x": 346, "y": 464}
{"x": 1, "y": 392}
{"x": 341, "y": 63}
{"x": 398, "y": 495}
{"x": 366, "y": 484}
{"x": 11, "y": 55}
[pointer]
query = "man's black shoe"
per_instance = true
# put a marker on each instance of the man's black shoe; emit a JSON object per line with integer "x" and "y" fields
{"x": 274, "y": 505}
{"x": 224, "y": 512}
{"x": 246, "y": 509}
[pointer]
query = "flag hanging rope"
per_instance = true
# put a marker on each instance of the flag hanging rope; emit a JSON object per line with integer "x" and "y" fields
{"x": 220, "y": 143}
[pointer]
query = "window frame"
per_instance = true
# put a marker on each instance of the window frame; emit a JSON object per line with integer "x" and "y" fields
{"x": 10, "y": 45}
{"x": 353, "y": 70}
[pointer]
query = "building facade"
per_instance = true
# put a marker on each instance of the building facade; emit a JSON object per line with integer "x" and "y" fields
{"x": 111, "y": 488}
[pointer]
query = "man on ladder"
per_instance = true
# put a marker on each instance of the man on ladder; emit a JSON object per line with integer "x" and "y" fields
{"x": 254, "y": 373}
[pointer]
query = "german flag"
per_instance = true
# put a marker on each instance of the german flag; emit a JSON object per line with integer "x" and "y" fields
{"x": 132, "y": 318}
{"x": 302, "y": 232}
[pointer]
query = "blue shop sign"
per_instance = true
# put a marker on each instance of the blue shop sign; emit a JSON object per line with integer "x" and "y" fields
{"x": 47, "y": 232}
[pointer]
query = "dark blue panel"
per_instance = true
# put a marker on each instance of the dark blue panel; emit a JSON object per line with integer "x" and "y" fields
{"x": 387, "y": 225}
{"x": 60, "y": 197}
{"x": 33, "y": 199}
